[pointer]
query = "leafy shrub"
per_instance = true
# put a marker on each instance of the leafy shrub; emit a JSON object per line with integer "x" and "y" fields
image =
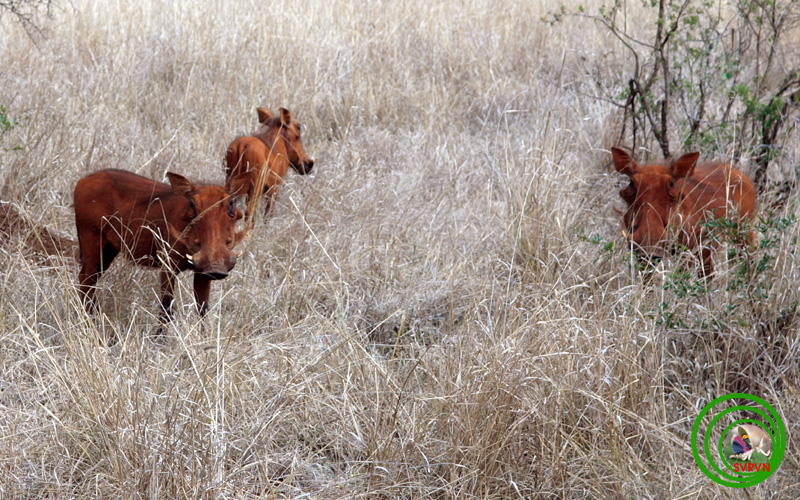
{"x": 705, "y": 78}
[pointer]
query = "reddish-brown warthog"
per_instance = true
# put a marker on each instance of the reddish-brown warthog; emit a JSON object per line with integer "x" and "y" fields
{"x": 173, "y": 227}
{"x": 269, "y": 152}
{"x": 677, "y": 198}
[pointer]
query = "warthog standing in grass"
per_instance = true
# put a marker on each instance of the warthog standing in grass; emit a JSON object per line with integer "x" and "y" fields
{"x": 677, "y": 199}
{"x": 174, "y": 227}
{"x": 270, "y": 152}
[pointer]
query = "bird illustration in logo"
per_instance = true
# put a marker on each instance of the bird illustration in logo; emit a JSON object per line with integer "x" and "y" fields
{"x": 748, "y": 439}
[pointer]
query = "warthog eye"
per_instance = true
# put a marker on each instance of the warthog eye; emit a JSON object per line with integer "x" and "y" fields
{"x": 231, "y": 209}
{"x": 629, "y": 193}
{"x": 192, "y": 210}
{"x": 671, "y": 190}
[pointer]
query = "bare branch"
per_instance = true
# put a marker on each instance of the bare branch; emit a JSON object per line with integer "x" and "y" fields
{"x": 26, "y": 12}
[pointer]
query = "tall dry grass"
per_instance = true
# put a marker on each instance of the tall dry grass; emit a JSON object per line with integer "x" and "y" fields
{"x": 421, "y": 317}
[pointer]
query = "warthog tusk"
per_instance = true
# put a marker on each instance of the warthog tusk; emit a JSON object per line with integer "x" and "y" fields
{"x": 624, "y": 234}
{"x": 189, "y": 258}
{"x": 239, "y": 253}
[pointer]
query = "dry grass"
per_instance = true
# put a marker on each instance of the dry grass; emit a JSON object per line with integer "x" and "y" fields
{"x": 419, "y": 319}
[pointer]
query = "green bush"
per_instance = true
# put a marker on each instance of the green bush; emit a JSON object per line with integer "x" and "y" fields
{"x": 703, "y": 77}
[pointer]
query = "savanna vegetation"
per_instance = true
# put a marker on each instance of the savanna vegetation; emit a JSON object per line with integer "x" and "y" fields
{"x": 445, "y": 307}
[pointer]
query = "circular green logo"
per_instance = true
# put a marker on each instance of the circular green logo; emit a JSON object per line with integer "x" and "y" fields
{"x": 750, "y": 448}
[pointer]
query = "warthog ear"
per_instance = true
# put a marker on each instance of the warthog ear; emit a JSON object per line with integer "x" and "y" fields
{"x": 241, "y": 184}
{"x": 263, "y": 115}
{"x": 286, "y": 117}
{"x": 181, "y": 185}
{"x": 623, "y": 162}
{"x": 684, "y": 166}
